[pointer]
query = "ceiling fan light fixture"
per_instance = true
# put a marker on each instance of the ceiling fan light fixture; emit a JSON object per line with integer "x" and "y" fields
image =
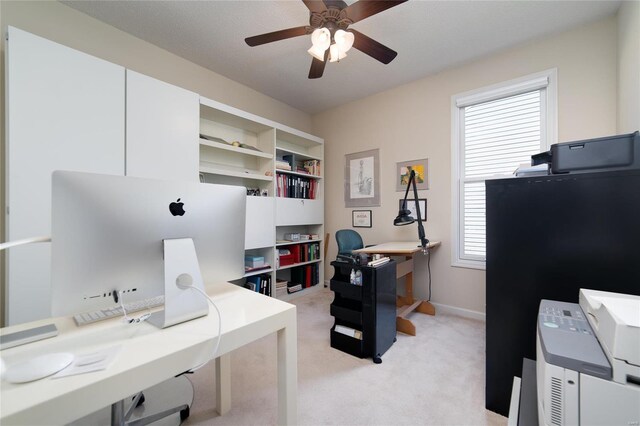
{"x": 317, "y": 53}
{"x": 320, "y": 40}
{"x": 336, "y": 54}
{"x": 344, "y": 40}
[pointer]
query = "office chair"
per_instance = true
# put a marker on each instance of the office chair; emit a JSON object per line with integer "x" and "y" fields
{"x": 348, "y": 240}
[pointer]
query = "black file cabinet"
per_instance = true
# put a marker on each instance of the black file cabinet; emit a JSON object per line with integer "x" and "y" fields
{"x": 369, "y": 309}
{"x": 548, "y": 237}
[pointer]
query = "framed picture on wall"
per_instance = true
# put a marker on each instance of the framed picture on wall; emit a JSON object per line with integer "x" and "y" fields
{"x": 362, "y": 179}
{"x": 411, "y": 206}
{"x": 403, "y": 171}
{"x": 361, "y": 218}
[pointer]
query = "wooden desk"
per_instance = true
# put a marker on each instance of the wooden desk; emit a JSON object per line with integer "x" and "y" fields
{"x": 150, "y": 355}
{"x": 405, "y": 304}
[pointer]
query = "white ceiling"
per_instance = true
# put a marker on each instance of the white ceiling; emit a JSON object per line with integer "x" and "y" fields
{"x": 429, "y": 37}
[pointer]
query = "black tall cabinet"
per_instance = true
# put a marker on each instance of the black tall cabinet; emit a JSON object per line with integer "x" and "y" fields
{"x": 547, "y": 237}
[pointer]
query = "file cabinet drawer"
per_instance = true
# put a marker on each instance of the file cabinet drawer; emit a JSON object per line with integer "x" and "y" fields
{"x": 295, "y": 211}
{"x": 346, "y": 290}
{"x": 345, "y": 313}
{"x": 347, "y": 344}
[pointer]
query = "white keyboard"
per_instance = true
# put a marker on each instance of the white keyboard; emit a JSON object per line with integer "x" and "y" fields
{"x": 114, "y": 311}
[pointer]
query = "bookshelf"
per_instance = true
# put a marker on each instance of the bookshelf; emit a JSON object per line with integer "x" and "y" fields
{"x": 243, "y": 149}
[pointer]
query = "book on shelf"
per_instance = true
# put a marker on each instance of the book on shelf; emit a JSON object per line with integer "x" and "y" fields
{"x": 256, "y": 268}
{"x": 306, "y": 275}
{"x": 312, "y": 167}
{"x": 282, "y": 165}
{"x": 214, "y": 139}
{"x": 260, "y": 284}
{"x": 296, "y": 187}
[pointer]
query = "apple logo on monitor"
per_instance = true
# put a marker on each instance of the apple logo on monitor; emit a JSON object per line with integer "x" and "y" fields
{"x": 177, "y": 208}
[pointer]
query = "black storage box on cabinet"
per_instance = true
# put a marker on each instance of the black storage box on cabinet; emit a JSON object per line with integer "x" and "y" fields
{"x": 370, "y": 309}
{"x": 620, "y": 152}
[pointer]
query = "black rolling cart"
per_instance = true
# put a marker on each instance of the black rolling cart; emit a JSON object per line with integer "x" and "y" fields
{"x": 365, "y": 315}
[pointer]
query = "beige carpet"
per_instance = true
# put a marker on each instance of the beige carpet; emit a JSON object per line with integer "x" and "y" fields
{"x": 434, "y": 378}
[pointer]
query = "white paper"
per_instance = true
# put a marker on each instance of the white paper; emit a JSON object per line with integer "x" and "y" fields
{"x": 93, "y": 361}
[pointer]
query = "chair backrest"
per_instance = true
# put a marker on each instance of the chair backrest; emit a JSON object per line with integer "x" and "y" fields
{"x": 348, "y": 240}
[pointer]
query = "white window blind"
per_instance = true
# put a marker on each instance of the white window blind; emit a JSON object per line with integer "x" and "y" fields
{"x": 494, "y": 130}
{"x": 497, "y": 136}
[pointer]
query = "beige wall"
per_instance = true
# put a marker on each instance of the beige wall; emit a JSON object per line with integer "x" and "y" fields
{"x": 414, "y": 121}
{"x": 57, "y": 22}
{"x": 629, "y": 67}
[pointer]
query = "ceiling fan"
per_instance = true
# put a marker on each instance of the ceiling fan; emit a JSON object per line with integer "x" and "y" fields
{"x": 328, "y": 23}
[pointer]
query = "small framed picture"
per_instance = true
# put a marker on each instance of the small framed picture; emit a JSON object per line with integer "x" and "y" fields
{"x": 361, "y": 218}
{"x": 411, "y": 206}
{"x": 403, "y": 172}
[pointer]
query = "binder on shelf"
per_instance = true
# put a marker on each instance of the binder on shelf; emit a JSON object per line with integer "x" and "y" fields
{"x": 295, "y": 186}
{"x": 259, "y": 283}
{"x": 253, "y": 283}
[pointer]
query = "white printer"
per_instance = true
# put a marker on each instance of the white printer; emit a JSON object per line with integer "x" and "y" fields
{"x": 588, "y": 360}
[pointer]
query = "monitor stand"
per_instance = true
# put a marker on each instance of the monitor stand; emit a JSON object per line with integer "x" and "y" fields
{"x": 180, "y": 266}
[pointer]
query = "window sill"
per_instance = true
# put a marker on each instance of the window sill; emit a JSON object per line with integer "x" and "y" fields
{"x": 470, "y": 264}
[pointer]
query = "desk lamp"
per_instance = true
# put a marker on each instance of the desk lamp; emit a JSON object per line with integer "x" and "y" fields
{"x": 404, "y": 215}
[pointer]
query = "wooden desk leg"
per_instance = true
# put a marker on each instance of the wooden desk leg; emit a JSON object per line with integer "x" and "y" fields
{"x": 426, "y": 308}
{"x": 288, "y": 373}
{"x": 223, "y": 384}
{"x": 407, "y": 304}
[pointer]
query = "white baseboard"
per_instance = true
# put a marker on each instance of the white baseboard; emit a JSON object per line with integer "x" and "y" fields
{"x": 467, "y": 313}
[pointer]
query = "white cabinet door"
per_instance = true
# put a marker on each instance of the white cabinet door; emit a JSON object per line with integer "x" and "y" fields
{"x": 294, "y": 211}
{"x": 162, "y": 129}
{"x": 259, "y": 228}
{"x": 65, "y": 111}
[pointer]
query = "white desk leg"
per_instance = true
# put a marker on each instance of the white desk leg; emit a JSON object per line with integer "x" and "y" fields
{"x": 223, "y": 384}
{"x": 288, "y": 373}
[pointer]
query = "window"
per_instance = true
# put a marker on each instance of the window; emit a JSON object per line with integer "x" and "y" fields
{"x": 494, "y": 130}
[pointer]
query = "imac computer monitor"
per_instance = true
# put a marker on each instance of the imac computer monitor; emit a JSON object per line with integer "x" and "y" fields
{"x": 108, "y": 235}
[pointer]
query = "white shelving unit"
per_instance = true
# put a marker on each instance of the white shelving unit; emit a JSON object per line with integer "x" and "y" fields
{"x": 240, "y": 148}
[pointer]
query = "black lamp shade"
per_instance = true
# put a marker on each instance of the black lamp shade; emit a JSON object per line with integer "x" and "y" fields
{"x": 404, "y": 218}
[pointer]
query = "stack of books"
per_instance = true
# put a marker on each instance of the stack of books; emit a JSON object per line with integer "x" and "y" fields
{"x": 283, "y": 165}
{"x": 281, "y": 288}
{"x": 312, "y": 167}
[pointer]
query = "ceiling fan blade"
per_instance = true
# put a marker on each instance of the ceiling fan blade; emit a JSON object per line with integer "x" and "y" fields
{"x": 316, "y": 6}
{"x": 275, "y": 36}
{"x": 317, "y": 66}
{"x": 372, "y": 48}
{"x": 364, "y": 8}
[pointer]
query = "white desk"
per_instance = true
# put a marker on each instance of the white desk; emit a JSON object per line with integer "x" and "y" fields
{"x": 150, "y": 355}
